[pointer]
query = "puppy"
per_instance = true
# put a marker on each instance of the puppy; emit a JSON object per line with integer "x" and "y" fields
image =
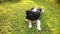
{"x": 33, "y": 15}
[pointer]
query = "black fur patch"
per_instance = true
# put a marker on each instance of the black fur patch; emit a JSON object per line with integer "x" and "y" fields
{"x": 30, "y": 15}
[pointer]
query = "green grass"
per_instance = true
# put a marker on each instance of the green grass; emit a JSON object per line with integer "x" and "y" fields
{"x": 12, "y": 17}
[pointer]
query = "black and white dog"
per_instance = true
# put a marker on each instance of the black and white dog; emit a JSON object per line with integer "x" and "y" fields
{"x": 33, "y": 15}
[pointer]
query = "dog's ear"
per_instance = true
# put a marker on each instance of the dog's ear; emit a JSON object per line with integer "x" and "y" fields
{"x": 40, "y": 10}
{"x": 32, "y": 8}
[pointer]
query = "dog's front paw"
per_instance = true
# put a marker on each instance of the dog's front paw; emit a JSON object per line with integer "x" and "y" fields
{"x": 38, "y": 28}
{"x": 30, "y": 26}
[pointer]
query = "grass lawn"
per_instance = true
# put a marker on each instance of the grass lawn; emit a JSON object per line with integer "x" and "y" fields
{"x": 12, "y": 17}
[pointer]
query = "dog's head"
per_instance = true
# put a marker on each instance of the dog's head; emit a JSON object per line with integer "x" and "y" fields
{"x": 37, "y": 10}
{"x": 34, "y": 13}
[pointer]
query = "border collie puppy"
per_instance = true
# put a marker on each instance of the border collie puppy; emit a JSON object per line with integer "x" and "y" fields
{"x": 33, "y": 15}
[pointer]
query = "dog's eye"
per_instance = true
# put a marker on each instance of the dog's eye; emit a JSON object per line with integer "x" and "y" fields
{"x": 40, "y": 9}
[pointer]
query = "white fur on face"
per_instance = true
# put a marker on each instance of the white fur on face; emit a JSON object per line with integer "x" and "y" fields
{"x": 34, "y": 10}
{"x": 43, "y": 10}
{"x": 38, "y": 24}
